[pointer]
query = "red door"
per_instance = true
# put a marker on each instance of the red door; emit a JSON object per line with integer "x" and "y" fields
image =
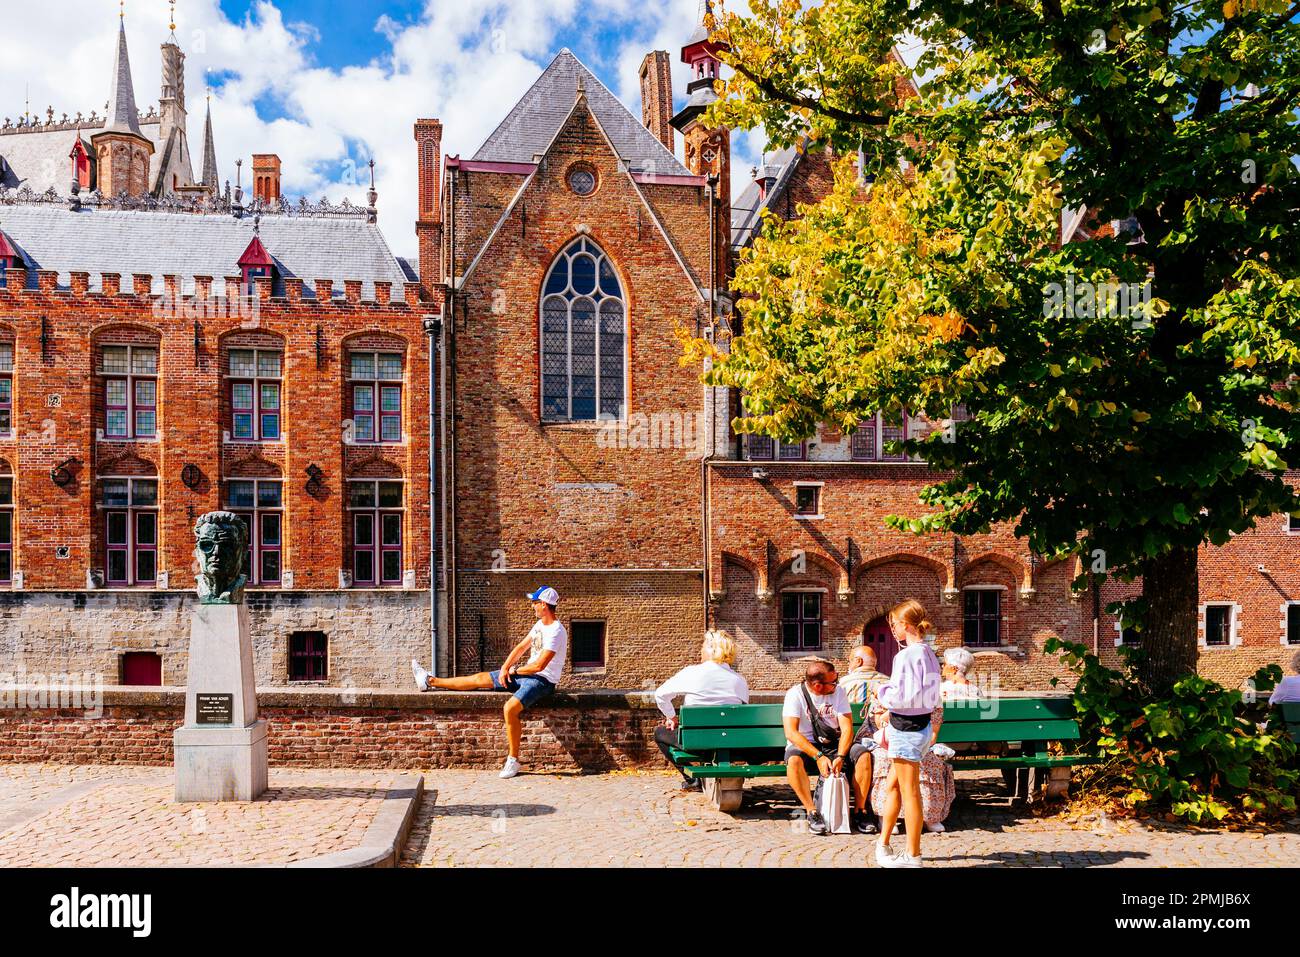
{"x": 879, "y": 638}
{"x": 142, "y": 669}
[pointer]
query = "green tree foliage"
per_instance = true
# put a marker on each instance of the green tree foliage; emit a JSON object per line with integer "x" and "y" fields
{"x": 1129, "y": 398}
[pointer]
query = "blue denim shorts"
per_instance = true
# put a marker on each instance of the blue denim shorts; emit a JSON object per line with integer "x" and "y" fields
{"x": 908, "y": 745}
{"x": 528, "y": 689}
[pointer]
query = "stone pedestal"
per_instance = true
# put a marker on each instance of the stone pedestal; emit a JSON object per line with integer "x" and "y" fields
{"x": 221, "y": 749}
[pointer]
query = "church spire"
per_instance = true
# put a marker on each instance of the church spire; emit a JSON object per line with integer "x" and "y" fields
{"x": 123, "y": 117}
{"x": 122, "y": 152}
{"x": 209, "y": 153}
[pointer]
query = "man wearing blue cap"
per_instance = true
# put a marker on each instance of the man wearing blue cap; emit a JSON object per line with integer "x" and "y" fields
{"x": 547, "y": 644}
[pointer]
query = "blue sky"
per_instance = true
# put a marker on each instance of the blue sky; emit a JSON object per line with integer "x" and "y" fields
{"x": 328, "y": 85}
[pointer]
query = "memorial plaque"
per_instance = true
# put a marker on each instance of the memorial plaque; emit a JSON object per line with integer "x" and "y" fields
{"x": 214, "y": 709}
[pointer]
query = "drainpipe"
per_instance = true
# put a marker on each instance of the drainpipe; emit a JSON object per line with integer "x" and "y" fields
{"x": 433, "y": 328}
{"x": 712, "y": 185}
{"x": 449, "y": 440}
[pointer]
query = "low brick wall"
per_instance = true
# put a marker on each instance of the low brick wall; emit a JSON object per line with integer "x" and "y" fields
{"x": 323, "y": 728}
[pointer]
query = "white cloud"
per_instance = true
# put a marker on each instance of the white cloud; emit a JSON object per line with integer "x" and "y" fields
{"x": 463, "y": 61}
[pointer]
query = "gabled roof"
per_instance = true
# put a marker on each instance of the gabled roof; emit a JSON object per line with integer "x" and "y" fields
{"x": 255, "y": 255}
{"x": 7, "y": 250}
{"x": 747, "y": 210}
{"x": 578, "y": 102}
{"x": 188, "y": 245}
{"x": 531, "y": 126}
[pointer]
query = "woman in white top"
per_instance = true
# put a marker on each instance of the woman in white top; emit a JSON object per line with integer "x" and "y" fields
{"x": 711, "y": 682}
{"x": 957, "y": 663}
{"x": 1288, "y": 689}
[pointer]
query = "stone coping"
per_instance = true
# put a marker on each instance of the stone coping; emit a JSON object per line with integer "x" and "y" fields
{"x": 114, "y": 696}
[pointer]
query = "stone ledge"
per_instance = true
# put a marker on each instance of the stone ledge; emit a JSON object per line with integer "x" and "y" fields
{"x": 384, "y": 700}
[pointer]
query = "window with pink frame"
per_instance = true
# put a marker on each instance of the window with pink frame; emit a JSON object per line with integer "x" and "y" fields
{"x": 130, "y": 509}
{"x": 376, "y": 513}
{"x": 6, "y": 389}
{"x": 255, "y": 392}
{"x": 375, "y": 396}
{"x": 130, "y": 375}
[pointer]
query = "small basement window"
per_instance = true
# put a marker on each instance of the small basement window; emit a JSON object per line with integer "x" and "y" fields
{"x": 142, "y": 669}
{"x": 588, "y": 645}
{"x": 308, "y": 656}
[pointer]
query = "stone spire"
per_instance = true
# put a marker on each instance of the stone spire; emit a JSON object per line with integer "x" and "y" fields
{"x": 122, "y": 152}
{"x": 123, "y": 117}
{"x": 209, "y": 154}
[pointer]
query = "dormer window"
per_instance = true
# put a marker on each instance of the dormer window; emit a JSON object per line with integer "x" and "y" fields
{"x": 80, "y": 157}
{"x": 8, "y": 258}
{"x": 256, "y": 263}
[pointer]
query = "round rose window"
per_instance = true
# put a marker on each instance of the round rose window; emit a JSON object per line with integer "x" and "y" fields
{"x": 582, "y": 181}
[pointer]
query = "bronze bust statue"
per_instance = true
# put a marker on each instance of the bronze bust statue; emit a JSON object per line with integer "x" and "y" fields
{"x": 221, "y": 552}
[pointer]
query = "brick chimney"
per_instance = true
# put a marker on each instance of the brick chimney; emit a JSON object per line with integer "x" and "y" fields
{"x": 657, "y": 97}
{"x": 428, "y": 228}
{"x": 266, "y": 177}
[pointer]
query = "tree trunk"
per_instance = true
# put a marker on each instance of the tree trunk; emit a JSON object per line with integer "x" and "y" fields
{"x": 1171, "y": 586}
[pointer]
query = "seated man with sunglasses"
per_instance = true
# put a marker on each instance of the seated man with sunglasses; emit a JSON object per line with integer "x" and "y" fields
{"x": 818, "y": 723}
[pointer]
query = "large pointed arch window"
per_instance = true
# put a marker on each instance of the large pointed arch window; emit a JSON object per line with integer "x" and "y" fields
{"x": 584, "y": 337}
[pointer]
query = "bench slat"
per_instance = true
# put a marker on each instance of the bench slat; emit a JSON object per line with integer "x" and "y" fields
{"x": 734, "y": 739}
{"x": 1008, "y": 709}
{"x": 732, "y": 716}
{"x": 1052, "y": 730}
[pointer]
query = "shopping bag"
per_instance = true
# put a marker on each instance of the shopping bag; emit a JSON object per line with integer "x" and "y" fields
{"x": 835, "y": 803}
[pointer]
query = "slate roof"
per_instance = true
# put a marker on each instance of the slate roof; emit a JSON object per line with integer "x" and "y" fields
{"x": 531, "y": 126}
{"x": 747, "y": 209}
{"x": 189, "y": 245}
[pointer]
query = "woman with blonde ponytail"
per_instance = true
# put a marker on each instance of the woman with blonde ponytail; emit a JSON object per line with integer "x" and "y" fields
{"x": 910, "y": 697}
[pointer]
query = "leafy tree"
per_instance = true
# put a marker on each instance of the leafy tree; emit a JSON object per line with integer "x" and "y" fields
{"x": 1130, "y": 397}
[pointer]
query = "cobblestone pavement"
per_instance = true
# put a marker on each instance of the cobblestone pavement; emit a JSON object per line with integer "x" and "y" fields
{"x": 52, "y": 816}
{"x": 640, "y": 819}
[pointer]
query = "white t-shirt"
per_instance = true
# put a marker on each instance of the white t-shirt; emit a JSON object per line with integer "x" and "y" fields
{"x": 1288, "y": 689}
{"x": 554, "y": 638}
{"x": 829, "y": 708}
{"x": 708, "y": 683}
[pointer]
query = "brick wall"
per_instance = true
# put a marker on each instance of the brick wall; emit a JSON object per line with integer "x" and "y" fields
{"x": 654, "y": 622}
{"x": 60, "y": 418}
{"x": 372, "y": 635}
{"x": 589, "y": 732}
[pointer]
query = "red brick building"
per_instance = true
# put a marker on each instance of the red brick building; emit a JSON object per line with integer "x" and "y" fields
{"x": 558, "y": 266}
{"x": 581, "y": 454}
{"x": 162, "y": 357}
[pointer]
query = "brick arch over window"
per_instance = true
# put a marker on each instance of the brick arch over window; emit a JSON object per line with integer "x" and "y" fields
{"x": 253, "y": 467}
{"x": 128, "y": 465}
{"x": 584, "y": 336}
{"x": 785, "y": 575}
{"x": 375, "y": 468}
{"x": 754, "y": 570}
{"x": 943, "y": 571}
{"x": 5, "y": 467}
{"x": 1019, "y": 570}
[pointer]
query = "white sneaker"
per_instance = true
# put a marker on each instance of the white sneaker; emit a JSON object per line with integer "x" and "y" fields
{"x": 907, "y": 860}
{"x": 936, "y": 828}
{"x": 884, "y": 855}
{"x": 512, "y": 767}
{"x": 421, "y": 676}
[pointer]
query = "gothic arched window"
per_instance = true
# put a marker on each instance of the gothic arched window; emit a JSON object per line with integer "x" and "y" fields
{"x": 584, "y": 337}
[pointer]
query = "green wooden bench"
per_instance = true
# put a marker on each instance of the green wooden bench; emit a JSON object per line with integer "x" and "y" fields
{"x": 722, "y": 747}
